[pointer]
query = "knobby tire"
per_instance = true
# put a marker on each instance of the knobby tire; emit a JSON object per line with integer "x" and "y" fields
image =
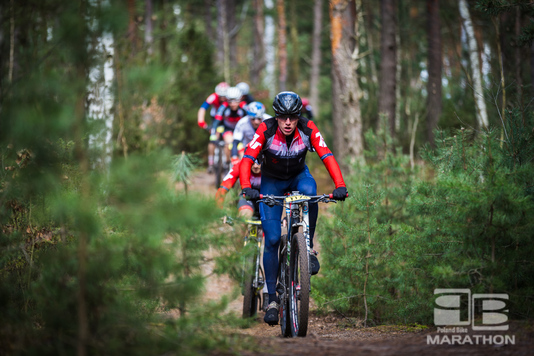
{"x": 282, "y": 279}
{"x": 299, "y": 275}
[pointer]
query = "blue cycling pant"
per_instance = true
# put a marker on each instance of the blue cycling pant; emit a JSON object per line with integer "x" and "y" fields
{"x": 271, "y": 216}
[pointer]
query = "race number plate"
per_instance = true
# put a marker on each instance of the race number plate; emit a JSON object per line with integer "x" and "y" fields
{"x": 294, "y": 198}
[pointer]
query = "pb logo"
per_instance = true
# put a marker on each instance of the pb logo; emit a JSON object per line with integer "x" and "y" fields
{"x": 457, "y": 307}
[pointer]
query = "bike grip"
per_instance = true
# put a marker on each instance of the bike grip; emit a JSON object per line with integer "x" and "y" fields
{"x": 261, "y": 196}
{"x": 330, "y": 196}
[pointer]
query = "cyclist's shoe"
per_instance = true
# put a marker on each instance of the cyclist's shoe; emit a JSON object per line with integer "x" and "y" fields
{"x": 265, "y": 305}
{"x": 314, "y": 263}
{"x": 271, "y": 315}
{"x": 211, "y": 170}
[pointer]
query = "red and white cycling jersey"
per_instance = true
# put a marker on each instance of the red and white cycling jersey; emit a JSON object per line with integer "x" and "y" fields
{"x": 231, "y": 178}
{"x": 283, "y": 162}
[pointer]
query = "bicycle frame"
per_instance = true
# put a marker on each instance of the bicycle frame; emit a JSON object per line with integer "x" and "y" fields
{"x": 293, "y": 298}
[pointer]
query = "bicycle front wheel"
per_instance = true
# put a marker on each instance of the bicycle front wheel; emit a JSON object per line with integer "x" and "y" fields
{"x": 283, "y": 277}
{"x": 299, "y": 286}
{"x": 219, "y": 167}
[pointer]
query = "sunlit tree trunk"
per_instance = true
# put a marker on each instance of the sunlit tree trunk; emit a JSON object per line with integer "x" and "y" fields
{"x": 347, "y": 120}
{"x": 258, "y": 54}
{"x": 316, "y": 55}
{"x": 269, "y": 79}
{"x": 282, "y": 45}
{"x": 388, "y": 63}
{"x": 149, "y": 39}
{"x": 100, "y": 98}
{"x": 434, "y": 70}
{"x": 481, "y": 112}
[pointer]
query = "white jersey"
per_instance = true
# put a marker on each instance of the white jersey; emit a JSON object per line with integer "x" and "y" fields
{"x": 244, "y": 132}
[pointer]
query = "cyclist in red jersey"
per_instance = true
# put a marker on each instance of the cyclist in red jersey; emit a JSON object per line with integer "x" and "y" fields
{"x": 284, "y": 141}
{"x": 215, "y": 100}
{"x": 245, "y": 207}
{"x": 228, "y": 117}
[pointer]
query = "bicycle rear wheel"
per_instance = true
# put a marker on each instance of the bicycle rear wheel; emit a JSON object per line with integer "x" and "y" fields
{"x": 299, "y": 286}
{"x": 282, "y": 289}
{"x": 219, "y": 166}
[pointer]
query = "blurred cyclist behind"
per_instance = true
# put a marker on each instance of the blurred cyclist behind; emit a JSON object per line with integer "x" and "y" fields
{"x": 227, "y": 118}
{"x": 245, "y": 89}
{"x": 215, "y": 100}
{"x": 307, "y": 110}
{"x": 246, "y": 127}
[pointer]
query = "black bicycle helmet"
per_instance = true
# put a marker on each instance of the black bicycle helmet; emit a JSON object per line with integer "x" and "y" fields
{"x": 287, "y": 103}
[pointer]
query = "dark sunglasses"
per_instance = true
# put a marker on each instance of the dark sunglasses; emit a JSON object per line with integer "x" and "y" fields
{"x": 290, "y": 117}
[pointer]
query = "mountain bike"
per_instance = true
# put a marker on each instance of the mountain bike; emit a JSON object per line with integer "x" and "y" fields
{"x": 219, "y": 159}
{"x": 219, "y": 156}
{"x": 294, "y": 270}
{"x": 253, "y": 276}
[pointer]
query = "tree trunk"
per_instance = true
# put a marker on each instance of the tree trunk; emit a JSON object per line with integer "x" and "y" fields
{"x": 388, "y": 63}
{"x": 481, "y": 114}
{"x": 149, "y": 38}
{"x": 208, "y": 5}
{"x": 532, "y": 69}
{"x": 163, "y": 29}
{"x": 518, "y": 60}
{"x": 100, "y": 98}
{"x": 270, "y": 52}
{"x": 132, "y": 28}
{"x": 222, "y": 36}
{"x": 282, "y": 45}
{"x": 369, "y": 31}
{"x": 434, "y": 104}
{"x": 316, "y": 55}
{"x": 258, "y": 54}
{"x": 345, "y": 89}
{"x": 295, "y": 54}
{"x": 231, "y": 27}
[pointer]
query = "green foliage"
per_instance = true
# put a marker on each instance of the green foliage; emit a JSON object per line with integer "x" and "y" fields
{"x": 399, "y": 237}
{"x": 145, "y": 251}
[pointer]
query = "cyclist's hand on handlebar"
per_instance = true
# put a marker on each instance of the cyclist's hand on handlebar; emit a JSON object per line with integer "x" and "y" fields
{"x": 340, "y": 193}
{"x": 251, "y": 194}
{"x": 202, "y": 124}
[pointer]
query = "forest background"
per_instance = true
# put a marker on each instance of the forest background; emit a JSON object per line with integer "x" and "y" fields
{"x": 427, "y": 105}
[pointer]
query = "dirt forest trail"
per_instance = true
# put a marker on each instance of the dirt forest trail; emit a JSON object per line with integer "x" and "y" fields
{"x": 334, "y": 335}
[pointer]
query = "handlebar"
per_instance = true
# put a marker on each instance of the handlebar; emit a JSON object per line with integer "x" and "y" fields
{"x": 271, "y": 200}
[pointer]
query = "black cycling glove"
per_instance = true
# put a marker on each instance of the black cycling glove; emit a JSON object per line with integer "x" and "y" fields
{"x": 251, "y": 194}
{"x": 340, "y": 193}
